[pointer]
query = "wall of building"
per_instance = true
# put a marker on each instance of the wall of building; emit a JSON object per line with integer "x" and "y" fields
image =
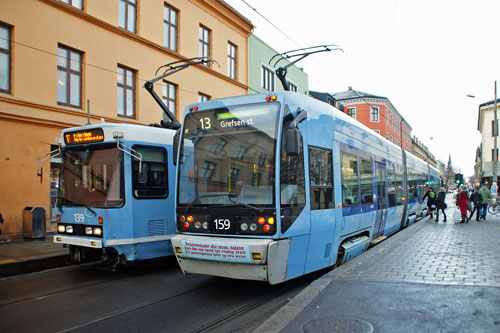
{"x": 260, "y": 54}
{"x": 30, "y": 117}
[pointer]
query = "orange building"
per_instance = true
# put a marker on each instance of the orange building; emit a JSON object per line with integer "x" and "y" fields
{"x": 62, "y": 58}
{"x": 375, "y": 112}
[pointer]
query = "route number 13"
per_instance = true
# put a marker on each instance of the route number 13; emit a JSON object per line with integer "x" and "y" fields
{"x": 205, "y": 123}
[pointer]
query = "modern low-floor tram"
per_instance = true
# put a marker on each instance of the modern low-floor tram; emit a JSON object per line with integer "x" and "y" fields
{"x": 274, "y": 186}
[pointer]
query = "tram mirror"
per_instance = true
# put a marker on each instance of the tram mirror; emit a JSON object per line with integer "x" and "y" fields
{"x": 143, "y": 174}
{"x": 292, "y": 139}
{"x": 176, "y": 145}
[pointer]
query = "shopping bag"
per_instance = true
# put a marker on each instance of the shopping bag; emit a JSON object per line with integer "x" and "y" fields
{"x": 457, "y": 215}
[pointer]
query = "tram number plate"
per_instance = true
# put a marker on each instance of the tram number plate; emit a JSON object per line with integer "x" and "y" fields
{"x": 223, "y": 225}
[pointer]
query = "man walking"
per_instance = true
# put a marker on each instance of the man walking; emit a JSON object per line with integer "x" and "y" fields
{"x": 476, "y": 199}
{"x": 486, "y": 196}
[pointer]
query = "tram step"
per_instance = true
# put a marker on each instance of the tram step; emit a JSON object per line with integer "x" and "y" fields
{"x": 378, "y": 240}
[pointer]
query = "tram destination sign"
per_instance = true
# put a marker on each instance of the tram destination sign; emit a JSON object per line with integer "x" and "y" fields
{"x": 84, "y": 136}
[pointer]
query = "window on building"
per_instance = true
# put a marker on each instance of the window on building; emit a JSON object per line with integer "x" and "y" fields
{"x": 75, "y": 3}
{"x": 233, "y": 175}
{"x": 331, "y": 101}
{"x": 127, "y": 10}
{"x": 170, "y": 27}
{"x": 351, "y": 112}
{"x": 69, "y": 77}
{"x": 267, "y": 78}
{"x": 203, "y": 97}
{"x": 240, "y": 153}
{"x": 204, "y": 42}
{"x": 374, "y": 113}
{"x": 125, "y": 92}
{"x": 292, "y": 86}
{"x": 219, "y": 145}
{"x": 231, "y": 60}
{"x": 169, "y": 95}
{"x": 151, "y": 180}
{"x": 321, "y": 178}
{"x": 386, "y": 117}
{"x": 207, "y": 170}
{"x": 5, "y": 57}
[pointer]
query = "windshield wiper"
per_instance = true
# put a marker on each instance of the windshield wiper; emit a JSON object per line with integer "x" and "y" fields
{"x": 195, "y": 201}
{"x": 236, "y": 203}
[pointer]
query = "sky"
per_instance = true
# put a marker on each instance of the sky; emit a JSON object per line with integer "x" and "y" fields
{"x": 425, "y": 56}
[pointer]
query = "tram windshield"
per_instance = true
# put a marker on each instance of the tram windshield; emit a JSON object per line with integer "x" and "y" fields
{"x": 92, "y": 177}
{"x": 227, "y": 156}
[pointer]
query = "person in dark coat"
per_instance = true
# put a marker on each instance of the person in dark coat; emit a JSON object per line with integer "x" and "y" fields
{"x": 440, "y": 204}
{"x": 431, "y": 198}
{"x": 462, "y": 202}
{"x": 476, "y": 199}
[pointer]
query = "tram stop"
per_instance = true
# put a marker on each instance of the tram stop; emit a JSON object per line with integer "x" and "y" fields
{"x": 34, "y": 222}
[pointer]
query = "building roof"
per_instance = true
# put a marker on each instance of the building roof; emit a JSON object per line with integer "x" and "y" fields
{"x": 352, "y": 94}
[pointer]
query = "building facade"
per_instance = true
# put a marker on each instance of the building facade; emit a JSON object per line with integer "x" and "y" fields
{"x": 62, "y": 58}
{"x": 485, "y": 154}
{"x": 261, "y": 73}
{"x": 373, "y": 111}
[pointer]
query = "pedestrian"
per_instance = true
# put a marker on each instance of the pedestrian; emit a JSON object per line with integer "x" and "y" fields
{"x": 462, "y": 203}
{"x": 486, "y": 196}
{"x": 476, "y": 199}
{"x": 431, "y": 197}
{"x": 440, "y": 204}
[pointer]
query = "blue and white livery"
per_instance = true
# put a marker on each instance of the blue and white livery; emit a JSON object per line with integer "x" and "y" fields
{"x": 116, "y": 192}
{"x": 272, "y": 187}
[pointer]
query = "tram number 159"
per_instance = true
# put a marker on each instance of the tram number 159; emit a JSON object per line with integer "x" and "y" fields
{"x": 222, "y": 224}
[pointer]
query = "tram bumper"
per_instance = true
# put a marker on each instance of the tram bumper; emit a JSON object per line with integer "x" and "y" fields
{"x": 78, "y": 241}
{"x": 237, "y": 258}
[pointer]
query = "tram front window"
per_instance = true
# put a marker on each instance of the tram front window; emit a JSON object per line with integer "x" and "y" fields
{"x": 227, "y": 157}
{"x": 92, "y": 177}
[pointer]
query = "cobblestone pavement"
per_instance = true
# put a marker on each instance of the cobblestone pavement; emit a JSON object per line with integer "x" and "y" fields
{"x": 435, "y": 253}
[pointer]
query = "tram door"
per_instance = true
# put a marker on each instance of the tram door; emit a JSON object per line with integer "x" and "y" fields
{"x": 381, "y": 176}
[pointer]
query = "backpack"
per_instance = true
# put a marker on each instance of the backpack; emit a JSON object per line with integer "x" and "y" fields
{"x": 432, "y": 194}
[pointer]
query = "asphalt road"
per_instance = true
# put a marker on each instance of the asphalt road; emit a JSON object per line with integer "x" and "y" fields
{"x": 156, "y": 298}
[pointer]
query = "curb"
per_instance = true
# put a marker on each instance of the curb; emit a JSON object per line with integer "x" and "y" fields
{"x": 31, "y": 266}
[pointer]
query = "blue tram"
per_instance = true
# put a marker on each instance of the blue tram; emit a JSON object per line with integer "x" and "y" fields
{"x": 272, "y": 187}
{"x": 116, "y": 193}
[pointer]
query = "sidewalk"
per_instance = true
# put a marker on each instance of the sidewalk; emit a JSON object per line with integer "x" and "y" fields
{"x": 27, "y": 256}
{"x": 430, "y": 277}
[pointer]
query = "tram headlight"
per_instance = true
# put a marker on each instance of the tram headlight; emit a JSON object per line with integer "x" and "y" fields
{"x": 197, "y": 225}
{"x": 253, "y": 226}
{"x": 205, "y": 225}
{"x": 69, "y": 229}
{"x": 61, "y": 228}
{"x": 88, "y": 230}
{"x": 97, "y": 231}
{"x": 244, "y": 227}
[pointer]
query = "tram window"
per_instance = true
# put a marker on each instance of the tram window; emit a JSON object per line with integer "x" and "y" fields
{"x": 391, "y": 188}
{"x": 411, "y": 185}
{"x": 366, "y": 180}
{"x": 321, "y": 178}
{"x": 154, "y": 166}
{"x": 292, "y": 180}
{"x": 399, "y": 189}
{"x": 350, "y": 186}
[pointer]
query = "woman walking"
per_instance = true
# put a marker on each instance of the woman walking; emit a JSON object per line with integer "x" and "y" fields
{"x": 462, "y": 202}
{"x": 440, "y": 204}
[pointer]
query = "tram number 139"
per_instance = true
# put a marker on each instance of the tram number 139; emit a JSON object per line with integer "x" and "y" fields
{"x": 222, "y": 224}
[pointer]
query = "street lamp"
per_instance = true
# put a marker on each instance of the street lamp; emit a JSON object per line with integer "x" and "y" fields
{"x": 494, "y": 184}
